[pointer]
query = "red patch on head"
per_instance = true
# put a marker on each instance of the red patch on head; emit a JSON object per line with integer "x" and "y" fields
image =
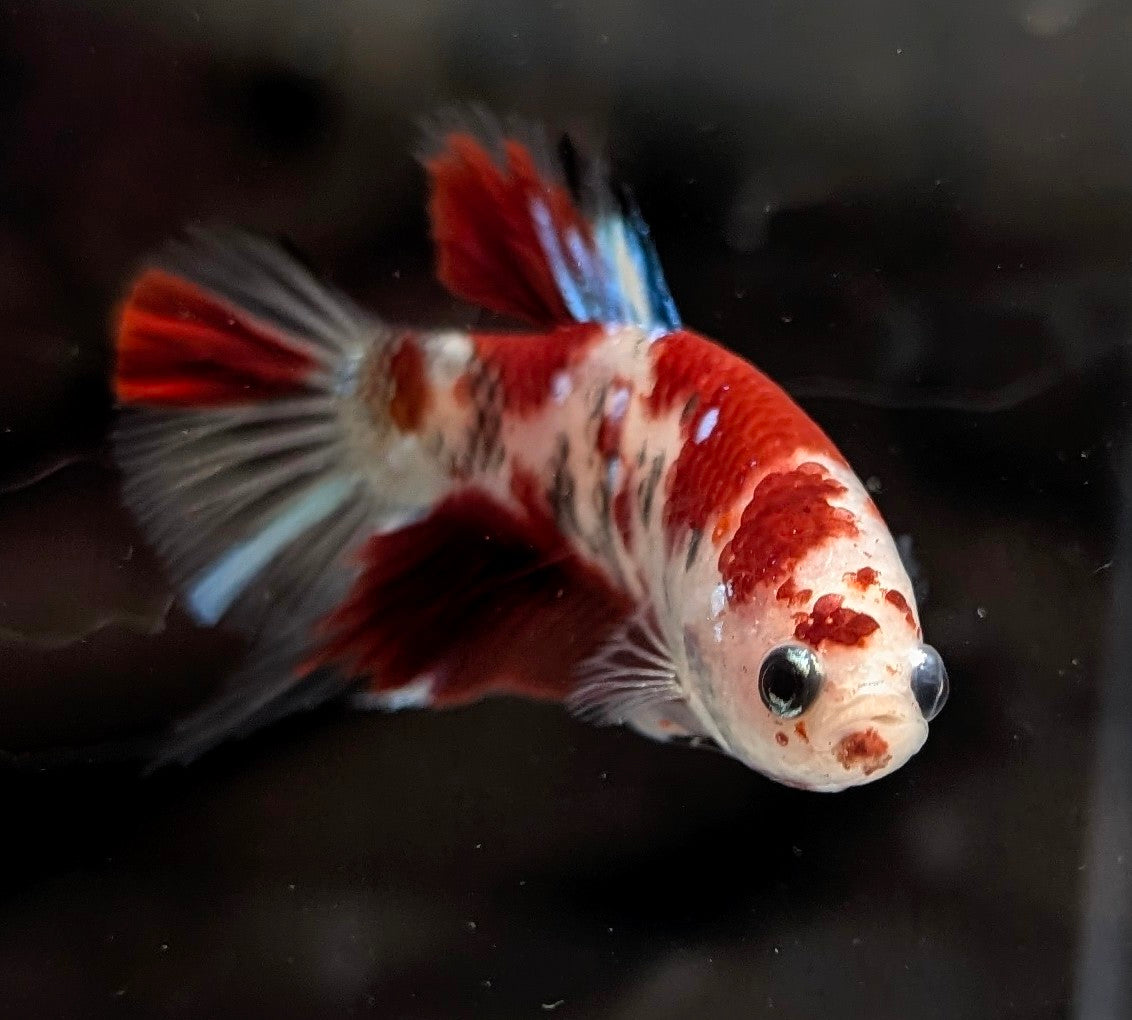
{"x": 789, "y": 514}
{"x": 791, "y": 594}
{"x": 894, "y": 598}
{"x": 488, "y": 250}
{"x": 781, "y": 739}
{"x": 866, "y": 749}
{"x": 525, "y": 366}
{"x": 830, "y": 621}
{"x": 756, "y": 424}
{"x": 180, "y": 346}
{"x": 410, "y": 386}
{"x": 862, "y": 579}
{"x": 800, "y": 729}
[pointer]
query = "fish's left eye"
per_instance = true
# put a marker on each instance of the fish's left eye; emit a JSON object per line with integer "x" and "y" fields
{"x": 930, "y": 685}
{"x": 789, "y": 680}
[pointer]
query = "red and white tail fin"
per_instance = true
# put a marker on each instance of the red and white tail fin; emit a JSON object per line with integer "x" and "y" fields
{"x": 243, "y": 449}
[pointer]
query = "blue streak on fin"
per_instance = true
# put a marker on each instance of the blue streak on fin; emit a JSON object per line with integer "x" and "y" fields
{"x": 568, "y": 285}
{"x": 618, "y": 281}
{"x": 648, "y": 261}
{"x": 214, "y": 591}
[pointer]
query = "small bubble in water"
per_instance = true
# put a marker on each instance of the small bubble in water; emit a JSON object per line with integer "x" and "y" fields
{"x": 872, "y": 483}
{"x": 981, "y": 612}
{"x": 786, "y": 319}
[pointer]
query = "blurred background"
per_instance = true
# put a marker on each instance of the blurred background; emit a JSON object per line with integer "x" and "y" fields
{"x": 917, "y": 217}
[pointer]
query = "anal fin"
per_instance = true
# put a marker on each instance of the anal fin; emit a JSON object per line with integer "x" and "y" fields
{"x": 474, "y": 599}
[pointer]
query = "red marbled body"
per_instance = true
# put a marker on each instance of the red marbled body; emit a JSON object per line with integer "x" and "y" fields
{"x": 614, "y": 510}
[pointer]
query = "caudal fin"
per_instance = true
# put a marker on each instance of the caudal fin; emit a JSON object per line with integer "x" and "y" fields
{"x": 243, "y": 448}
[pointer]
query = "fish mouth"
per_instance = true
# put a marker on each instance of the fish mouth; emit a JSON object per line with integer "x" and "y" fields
{"x": 860, "y": 750}
{"x": 874, "y": 745}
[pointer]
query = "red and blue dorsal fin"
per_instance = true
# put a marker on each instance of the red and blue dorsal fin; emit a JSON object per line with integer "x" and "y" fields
{"x": 512, "y": 236}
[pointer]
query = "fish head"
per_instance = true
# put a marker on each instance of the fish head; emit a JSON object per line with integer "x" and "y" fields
{"x": 818, "y": 675}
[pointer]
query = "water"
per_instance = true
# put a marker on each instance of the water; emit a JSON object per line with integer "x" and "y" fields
{"x": 922, "y": 226}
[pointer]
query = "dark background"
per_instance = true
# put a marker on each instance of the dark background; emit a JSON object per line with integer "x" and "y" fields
{"x": 917, "y": 216}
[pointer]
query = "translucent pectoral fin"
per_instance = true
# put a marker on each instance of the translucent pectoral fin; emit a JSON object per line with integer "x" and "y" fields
{"x": 633, "y": 679}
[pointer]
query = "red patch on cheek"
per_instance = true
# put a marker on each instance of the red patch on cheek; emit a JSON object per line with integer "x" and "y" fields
{"x": 788, "y": 515}
{"x": 862, "y": 579}
{"x": 866, "y": 749}
{"x": 830, "y": 621}
{"x": 894, "y": 598}
{"x": 800, "y": 729}
{"x": 410, "y": 386}
{"x": 781, "y": 739}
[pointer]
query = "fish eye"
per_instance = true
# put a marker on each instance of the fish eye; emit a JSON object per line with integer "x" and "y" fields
{"x": 930, "y": 685}
{"x": 789, "y": 680}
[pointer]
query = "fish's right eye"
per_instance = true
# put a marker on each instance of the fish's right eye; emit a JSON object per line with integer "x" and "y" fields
{"x": 789, "y": 680}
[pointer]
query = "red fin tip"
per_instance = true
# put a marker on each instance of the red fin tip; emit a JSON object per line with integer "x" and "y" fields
{"x": 179, "y": 346}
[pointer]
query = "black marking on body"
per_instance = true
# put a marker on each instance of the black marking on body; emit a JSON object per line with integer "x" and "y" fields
{"x": 604, "y": 544}
{"x": 563, "y": 489}
{"x": 483, "y": 430}
{"x": 604, "y": 493}
{"x": 485, "y": 449}
{"x": 647, "y": 489}
{"x": 694, "y": 539}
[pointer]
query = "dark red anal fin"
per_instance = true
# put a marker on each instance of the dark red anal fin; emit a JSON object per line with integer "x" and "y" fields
{"x": 476, "y": 599}
{"x": 180, "y": 346}
{"x": 488, "y": 248}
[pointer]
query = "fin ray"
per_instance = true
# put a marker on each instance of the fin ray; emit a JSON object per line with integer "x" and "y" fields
{"x": 631, "y": 671}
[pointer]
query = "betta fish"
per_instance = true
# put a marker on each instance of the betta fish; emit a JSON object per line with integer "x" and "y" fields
{"x": 599, "y": 507}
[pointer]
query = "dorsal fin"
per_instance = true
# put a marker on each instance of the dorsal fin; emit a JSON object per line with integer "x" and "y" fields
{"x": 513, "y": 236}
